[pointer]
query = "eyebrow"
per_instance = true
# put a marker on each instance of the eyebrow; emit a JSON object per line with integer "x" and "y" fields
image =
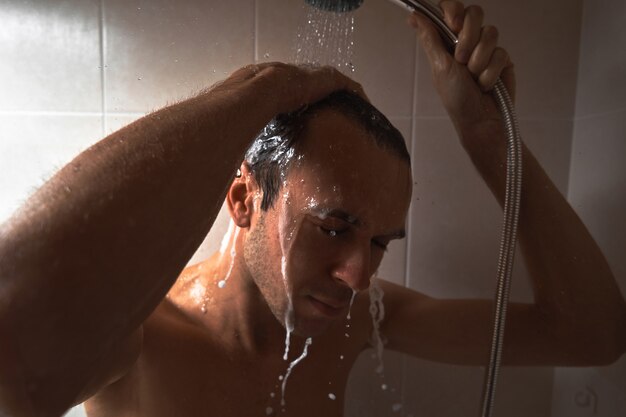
{"x": 353, "y": 220}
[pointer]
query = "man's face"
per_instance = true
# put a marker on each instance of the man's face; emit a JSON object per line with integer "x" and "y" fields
{"x": 343, "y": 200}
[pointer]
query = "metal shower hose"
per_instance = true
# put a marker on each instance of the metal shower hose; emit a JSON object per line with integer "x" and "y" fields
{"x": 511, "y": 206}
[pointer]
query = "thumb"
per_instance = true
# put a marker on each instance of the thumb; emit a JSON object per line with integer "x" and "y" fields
{"x": 432, "y": 43}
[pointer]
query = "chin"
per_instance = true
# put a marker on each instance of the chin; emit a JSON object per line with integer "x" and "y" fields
{"x": 312, "y": 326}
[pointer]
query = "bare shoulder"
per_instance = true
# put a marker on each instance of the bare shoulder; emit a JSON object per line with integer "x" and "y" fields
{"x": 398, "y": 297}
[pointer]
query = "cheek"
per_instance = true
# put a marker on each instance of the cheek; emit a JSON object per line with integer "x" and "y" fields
{"x": 311, "y": 251}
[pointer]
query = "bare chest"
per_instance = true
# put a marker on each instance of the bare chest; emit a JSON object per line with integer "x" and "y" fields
{"x": 183, "y": 375}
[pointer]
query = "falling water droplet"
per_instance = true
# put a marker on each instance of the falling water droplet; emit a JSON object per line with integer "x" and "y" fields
{"x": 332, "y": 396}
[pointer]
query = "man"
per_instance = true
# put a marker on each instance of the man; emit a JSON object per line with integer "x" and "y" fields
{"x": 87, "y": 263}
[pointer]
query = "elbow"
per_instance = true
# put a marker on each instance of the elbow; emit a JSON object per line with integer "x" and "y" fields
{"x": 22, "y": 395}
{"x": 17, "y": 400}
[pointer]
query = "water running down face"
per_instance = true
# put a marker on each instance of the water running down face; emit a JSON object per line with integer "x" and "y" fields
{"x": 338, "y": 208}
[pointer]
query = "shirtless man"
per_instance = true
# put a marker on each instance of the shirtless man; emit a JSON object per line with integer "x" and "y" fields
{"x": 85, "y": 273}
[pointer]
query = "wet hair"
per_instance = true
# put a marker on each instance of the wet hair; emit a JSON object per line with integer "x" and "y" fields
{"x": 272, "y": 152}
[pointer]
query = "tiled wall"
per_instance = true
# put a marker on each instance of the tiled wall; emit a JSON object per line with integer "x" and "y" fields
{"x": 597, "y": 189}
{"x": 72, "y": 71}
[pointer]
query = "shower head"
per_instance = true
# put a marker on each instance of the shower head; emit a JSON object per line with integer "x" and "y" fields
{"x": 338, "y": 6}
{"x": 424, "y": 6}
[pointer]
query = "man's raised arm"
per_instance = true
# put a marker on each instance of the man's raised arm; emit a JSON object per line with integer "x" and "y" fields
{"x": 578, "y": 316}
{"x": 95, "y": 250}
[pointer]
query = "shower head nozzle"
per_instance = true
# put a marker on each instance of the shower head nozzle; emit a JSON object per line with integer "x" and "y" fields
{"x": 338, "y": 6}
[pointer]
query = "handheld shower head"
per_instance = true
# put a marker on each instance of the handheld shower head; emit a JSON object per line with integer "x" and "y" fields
{"x": 424, "y": 6}
{"x": 339, "y": 6}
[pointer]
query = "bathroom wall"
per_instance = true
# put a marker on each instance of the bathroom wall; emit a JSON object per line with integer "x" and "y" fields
{"x": 597, "y": 189}
{"x": 73, "y": 71}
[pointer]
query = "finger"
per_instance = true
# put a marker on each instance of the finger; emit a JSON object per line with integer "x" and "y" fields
{"x": 307, "y": 84}
{"x": 333, "y": 79}
{"x": 436, "y": 52}
{"x": 470, "y": 34}
{"x": 481, "y": 56}
{"x": 453, "y": 14}
{"x": 499, "y": 62}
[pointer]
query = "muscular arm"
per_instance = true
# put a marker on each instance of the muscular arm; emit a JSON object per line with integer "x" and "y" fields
{"x": 578, "y": 316}
{"x": 94, "y": 251}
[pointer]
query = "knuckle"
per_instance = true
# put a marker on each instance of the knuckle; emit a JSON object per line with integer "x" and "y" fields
{"x": 475, "y": 10}
{"x": 491, "y": 32}
{"x": 501, "y": 54}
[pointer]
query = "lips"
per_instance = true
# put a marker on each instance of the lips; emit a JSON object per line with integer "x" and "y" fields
{"x": 328, "y": 307}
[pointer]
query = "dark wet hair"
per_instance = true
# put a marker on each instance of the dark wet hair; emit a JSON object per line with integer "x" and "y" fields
{"x": 273, "y": 149}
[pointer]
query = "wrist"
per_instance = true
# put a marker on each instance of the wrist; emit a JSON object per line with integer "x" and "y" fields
{"x": 486, "y": 145}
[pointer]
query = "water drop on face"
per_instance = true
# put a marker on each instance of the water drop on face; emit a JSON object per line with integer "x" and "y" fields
{"x": 332, "y": 396}
{"x": 221, "y": 284}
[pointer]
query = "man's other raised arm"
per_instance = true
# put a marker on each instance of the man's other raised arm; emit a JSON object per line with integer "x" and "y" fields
{"x": 578, "y": 316}
{"x": 94, "y": 251}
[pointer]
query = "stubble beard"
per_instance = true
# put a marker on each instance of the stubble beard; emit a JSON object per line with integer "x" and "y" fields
{"x": 264, "y": 271}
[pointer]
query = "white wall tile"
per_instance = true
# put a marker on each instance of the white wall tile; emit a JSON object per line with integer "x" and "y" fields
{"x": 50, "y": 56}
{"x": 159, "y": 52}
{"x": 33, "y": 148}
{"x": 454, "y": 234}
{"x": 602, "y": 65}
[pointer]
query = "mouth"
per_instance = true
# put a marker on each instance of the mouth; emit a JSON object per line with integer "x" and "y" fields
{"x": 328, "y": 308}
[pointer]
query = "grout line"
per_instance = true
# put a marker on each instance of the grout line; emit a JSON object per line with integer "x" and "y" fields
{"x": 67, "y": 113}
{"x": 528, "y": 119}
{"x": 256, "y": 31}
{"x": 602, "y": 114}
{"x": 48, "y": 113}
{"x": 103, "y": 86}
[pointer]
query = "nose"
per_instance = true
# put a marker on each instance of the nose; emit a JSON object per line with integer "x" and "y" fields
{"x": 354, "y": 268}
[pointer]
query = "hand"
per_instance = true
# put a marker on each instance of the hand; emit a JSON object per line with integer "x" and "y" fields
{"x": 465, "y": 79}
{"x": 287, "y": 87}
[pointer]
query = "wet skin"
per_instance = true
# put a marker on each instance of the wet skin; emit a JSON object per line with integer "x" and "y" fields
{"x": 344, "y": 200}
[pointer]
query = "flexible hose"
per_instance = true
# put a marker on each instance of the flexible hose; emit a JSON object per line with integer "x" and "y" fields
{"x": 511, "y": 206}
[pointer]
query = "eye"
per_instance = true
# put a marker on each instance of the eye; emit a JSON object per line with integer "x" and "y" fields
{"x": 333, "y": 231}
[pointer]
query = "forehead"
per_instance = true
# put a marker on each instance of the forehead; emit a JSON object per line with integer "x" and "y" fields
{"x": 338, "y": 166}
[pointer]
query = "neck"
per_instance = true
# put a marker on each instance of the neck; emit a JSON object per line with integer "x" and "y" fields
{"x": 221, "y": 297}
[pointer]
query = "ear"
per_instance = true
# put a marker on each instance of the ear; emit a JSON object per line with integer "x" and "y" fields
{"x": 241, "y": 196}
